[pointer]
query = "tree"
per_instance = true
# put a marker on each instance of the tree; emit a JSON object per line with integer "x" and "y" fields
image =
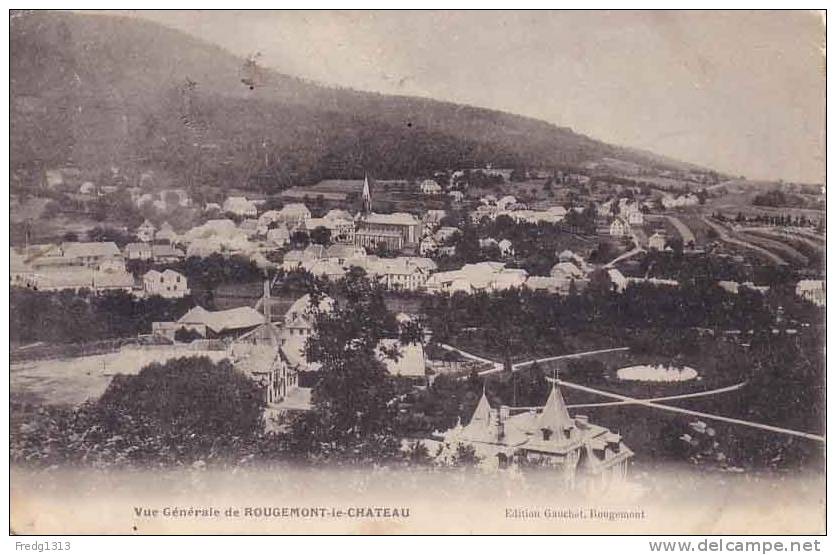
{"x": 171, "y": 199}
{"x": 189, "y": 395}
{"x": 353, "y": 415}
{"x": 299, "y": 240}
{"x": 184, "y": 335}
{"x": 321, "y": 236}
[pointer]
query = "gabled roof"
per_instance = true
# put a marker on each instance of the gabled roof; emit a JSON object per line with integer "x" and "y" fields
{"x": 78, "y": 250}
{"x": 397, "y": 218}
{"x": 232, "y": 319}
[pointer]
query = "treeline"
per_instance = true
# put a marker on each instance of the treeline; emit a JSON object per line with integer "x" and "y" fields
{"x": 70, "y": 317}
{"x": 519, "y": 322}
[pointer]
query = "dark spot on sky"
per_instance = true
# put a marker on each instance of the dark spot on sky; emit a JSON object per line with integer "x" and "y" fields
{"x": 409, "y": 124}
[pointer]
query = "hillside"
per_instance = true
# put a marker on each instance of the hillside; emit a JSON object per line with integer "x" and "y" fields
{"x": 98, "y": 90}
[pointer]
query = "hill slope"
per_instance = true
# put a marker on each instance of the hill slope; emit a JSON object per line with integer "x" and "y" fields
{"x": 99, "y": 90}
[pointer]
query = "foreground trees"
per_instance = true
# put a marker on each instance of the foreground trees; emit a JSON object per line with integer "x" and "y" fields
{"x": 187, "y": 411}
{"x": 353, "y": 415}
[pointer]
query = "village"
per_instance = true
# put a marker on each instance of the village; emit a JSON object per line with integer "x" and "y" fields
{"x": 460, "y": 235}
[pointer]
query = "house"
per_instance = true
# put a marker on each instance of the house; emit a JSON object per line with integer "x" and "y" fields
{"x": 267, "y": 219}
{"x": 138, "y": 251}
{"x": 411, "y": 361}
{"x": 145, "y": 232}
{"x": 471, "y": 278}
{"x": 619, "y": 228}
{"x": 249, "y": 226}
{"x": 278, "y": 236}
{"x": 430, "y": 187}
{"x": 166, "y": 233}
{"x": 812, "y": 290}
{"x": 87, "y": 188}
{"x": 97, "y": 255}
{"x": 326, "y": 269}
{"x": 432, "y": 218}
{"x": 505, "y": 202}
{"x": 548, "y": 438}
{"x": 509, "y": 278}
{"x": 635, "y": 217}
{"x": 457, "y": 196}
{"x": 343, "y": 253}
{"x": 656, "y": 242}
{"x": 576, "y": 259}
{"x": 216, "y": 236}
{"x": 446, "y": 233}
{"x": 212, "y": 207}
{"x": 341, "y": 230}
{"x": 240, "y": 206}
{"x": 546, "y": 283}
{"x": 566, "y": 270}
{"x": 618, "y": 280}
{"x": 294, "y": 213}
{"x": 506, "y": 248}
{"x": 77, "y": 278}
{"x": 167, "y": 284}
{"x": 558, "y": 212}
{"x": 303, "y": 259}
{"x": 166, "y": 253}
{"x": 427, "y": 246}
{"x": 222, "y": 323}
{"x": 172, "y": 198}
{"x": 400, "y": 274}
{"x": 338, "y": 214}
{"x": 299, "y": 322}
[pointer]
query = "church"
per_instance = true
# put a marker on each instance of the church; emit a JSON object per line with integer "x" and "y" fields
{"x": 395, "y": 231}
{"x": 548, "y": 438}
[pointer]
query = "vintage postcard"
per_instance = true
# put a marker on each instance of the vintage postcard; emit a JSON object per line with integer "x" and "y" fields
{"x": 417, "y": 272}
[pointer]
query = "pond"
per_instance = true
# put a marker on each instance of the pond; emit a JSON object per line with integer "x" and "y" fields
{"x": 657, "y": 373}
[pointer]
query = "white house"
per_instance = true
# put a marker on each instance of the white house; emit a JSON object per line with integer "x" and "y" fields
{"x": 240, "y": 206}
{"x": 618, "y": 280}
{"x": 168, "y": 284}
{"x": 656, "y": 242}
{"x": 457, "y": 196}
{"x": 278, "y": 236}
{"x": 430, "y": 187}
{"x": 635, "y": 217}
{"x": 138, "y": 251}
{"x": 294, "y": 213}
{"x": 812, "y": 290}
{"x": 619, "y": 228}
{"x": 145, "y": 232}
{"x": 506, "y": 248}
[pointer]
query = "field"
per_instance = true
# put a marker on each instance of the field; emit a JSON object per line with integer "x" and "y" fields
{"x": 71, "y": 381}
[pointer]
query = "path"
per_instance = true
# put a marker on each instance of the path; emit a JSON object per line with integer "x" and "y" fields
{"x": 651, "y": 404}
{"x": 724, "y": 236}
{"x": 517, "y": 366}
{"x": 497, "y": 367}
{"x": 629, "y": 254}
{"x": 726, "y": 389}
{"x": 684, "y": 230}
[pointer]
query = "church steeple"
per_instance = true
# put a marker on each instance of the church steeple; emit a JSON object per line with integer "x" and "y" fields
{"x": 367, "y": 197}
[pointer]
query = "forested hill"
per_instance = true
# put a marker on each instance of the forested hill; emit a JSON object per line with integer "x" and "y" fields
{"x": 100, "y": 90}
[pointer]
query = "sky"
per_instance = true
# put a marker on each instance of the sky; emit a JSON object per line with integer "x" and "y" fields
{"x": 740, "y": 92}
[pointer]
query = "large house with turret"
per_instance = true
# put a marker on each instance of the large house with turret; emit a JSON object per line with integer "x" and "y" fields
{"x": 547, "y": 437}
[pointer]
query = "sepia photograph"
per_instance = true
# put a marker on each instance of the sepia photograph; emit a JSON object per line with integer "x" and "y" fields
{"x": 417, "y": 272}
